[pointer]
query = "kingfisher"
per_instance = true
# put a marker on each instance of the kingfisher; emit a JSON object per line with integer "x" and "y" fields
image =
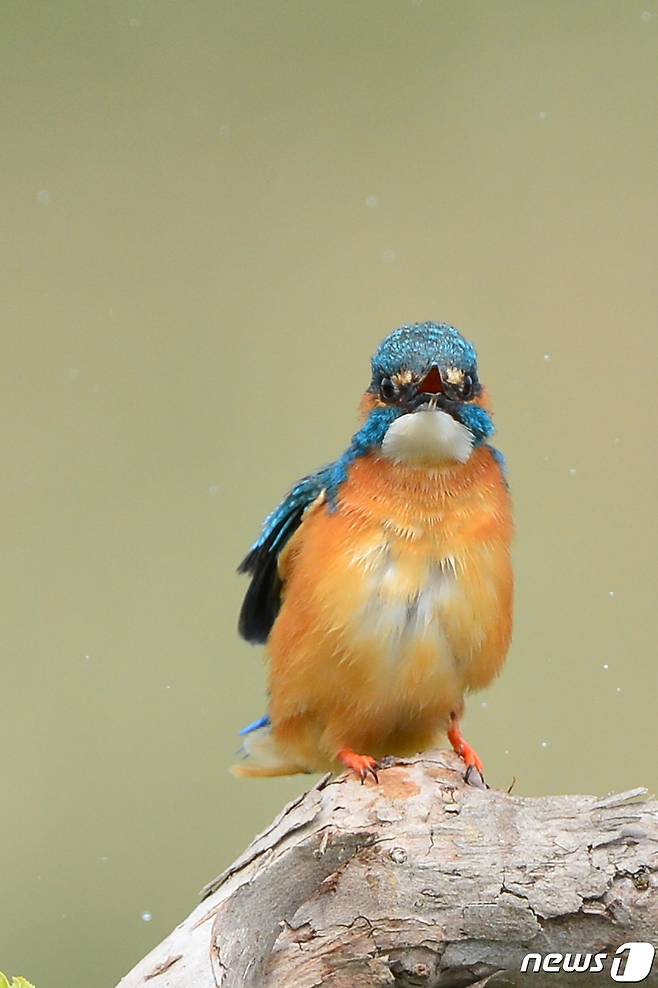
{"x": 382, "y": 584}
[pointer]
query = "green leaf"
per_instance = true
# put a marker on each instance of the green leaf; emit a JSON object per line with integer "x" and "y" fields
{"x": 20, "y": 983}
{"x": 3, "y": 981}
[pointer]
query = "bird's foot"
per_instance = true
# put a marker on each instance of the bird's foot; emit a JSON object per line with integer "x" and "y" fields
{"x": 465, "y": 751}
{"x": 361, "y": 765}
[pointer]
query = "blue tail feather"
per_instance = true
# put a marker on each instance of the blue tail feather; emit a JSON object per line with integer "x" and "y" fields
{"x": 255, "y": 726}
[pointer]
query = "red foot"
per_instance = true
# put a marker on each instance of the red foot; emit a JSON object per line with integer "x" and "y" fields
{"x": 462, "y": 748}
{"x": 362, "y": 765}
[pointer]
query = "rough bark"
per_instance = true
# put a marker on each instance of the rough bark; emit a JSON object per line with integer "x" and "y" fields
{"x": 420, "y": 881}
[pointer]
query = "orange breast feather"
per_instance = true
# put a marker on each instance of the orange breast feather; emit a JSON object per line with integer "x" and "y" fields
{"x": 394, "y": 606}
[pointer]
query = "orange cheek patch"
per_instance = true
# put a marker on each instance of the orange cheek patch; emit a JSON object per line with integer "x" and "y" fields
{"x": 368, "y": 402}
{"x": 483, "y": 400}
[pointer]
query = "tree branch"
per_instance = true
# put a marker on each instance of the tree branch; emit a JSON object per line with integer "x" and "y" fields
{"x": 420, "y": 881}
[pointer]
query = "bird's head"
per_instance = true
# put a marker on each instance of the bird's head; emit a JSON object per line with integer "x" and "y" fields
{"x": 426, "y": 376}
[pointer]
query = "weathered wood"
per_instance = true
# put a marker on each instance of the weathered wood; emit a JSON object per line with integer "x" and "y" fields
{"x": 420, "y": 881}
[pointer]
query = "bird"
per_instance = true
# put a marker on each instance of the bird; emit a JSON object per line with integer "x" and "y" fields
{"x": 382, "y": 584}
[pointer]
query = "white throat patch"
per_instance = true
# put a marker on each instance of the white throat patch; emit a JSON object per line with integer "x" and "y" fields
{"x": 427, "y": 436}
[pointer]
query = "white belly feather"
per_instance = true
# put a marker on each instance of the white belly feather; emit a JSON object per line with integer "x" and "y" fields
{"x": 397, "y": 617}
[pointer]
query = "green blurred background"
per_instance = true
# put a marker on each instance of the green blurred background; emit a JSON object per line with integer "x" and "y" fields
{"x": 212, "y": 211}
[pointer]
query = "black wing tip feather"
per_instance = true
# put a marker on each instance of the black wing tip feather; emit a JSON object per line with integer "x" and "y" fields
{"x": 261, "y": 604}
{"x": 263, "y": 598}
{"x": 248, "y": 563}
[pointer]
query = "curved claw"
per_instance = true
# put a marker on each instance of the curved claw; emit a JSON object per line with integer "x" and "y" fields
{"x": 474, "y": 773}
{"x": 472, "y": 760}
{"x": 361, "y": 765}
{"x": 462, "y": 748}
{"x": 373, "y": 771}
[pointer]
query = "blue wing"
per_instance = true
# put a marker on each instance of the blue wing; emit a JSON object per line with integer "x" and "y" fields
{"x": 263, "y": 598}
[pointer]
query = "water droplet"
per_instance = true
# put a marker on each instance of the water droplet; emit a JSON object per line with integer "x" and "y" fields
{"x": 542, "y": 114}
{"x": 147, "y": 917}
{"x": 104, "y": 859}
{"x": 507, "y": 751}
{"x": 611, "y": 593}
{"x": 213, "y": 489}
{"x": 484, "y": 704}
{"x": 372, "y": 202}
{"x": 168, "y": 686}
{"x": 544, "y": 744}
{"x": 43, "y": 196}
{"x": 646, "y": 16}
{"x": 547, "y": 358}
{"x": 572, "y": 471}
{"x": 618, "y": 690}
{"x": 389, "y": 256}
{"x": 605, "y": 665}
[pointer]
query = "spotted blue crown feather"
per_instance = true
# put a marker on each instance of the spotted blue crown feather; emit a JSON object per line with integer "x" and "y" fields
{"x": 421, "y": 344}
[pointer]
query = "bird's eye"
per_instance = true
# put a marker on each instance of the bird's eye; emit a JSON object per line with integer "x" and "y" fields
{"x": 467, "y": 388}
{"x": 387, "y": 389}
{"x": 458, "y": 386}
